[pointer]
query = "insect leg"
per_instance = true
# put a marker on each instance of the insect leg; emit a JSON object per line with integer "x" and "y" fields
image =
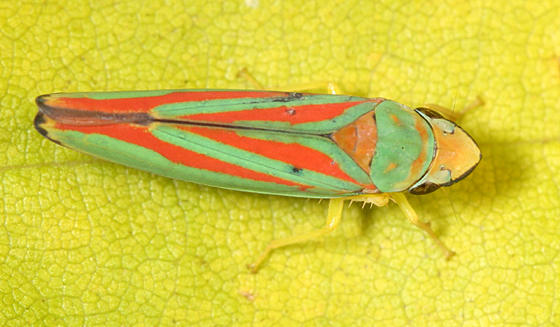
{"x": 244, "y": 73}
{"x": 411, "y": 215}
{"x": 330, "y": 87}
{"x": 455, "y": 115}
{"x": 379, "y": 200}
{"x": 333, "y": 220}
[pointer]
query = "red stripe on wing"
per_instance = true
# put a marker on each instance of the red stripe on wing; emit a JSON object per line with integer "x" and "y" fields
{"x": 292, "y": 114}
{"x": 294, "y": 154}
{"x": 145, "y": 104}
{"x": 141, "y": 136}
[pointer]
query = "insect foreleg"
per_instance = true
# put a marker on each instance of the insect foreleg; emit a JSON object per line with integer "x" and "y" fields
{"x": 411, "y": 215}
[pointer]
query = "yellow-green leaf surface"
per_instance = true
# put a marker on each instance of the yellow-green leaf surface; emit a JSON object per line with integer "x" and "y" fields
{"x": 86, "y": 242}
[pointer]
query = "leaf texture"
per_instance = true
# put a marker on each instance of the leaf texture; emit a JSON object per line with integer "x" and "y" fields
{"x": 86, "y": 242}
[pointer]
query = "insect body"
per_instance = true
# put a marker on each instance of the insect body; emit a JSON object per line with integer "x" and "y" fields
{"x": 292, "y": 144}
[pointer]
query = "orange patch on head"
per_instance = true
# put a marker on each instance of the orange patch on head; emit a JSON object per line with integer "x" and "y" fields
{"x": 396, "y": 120}
{"x": 456, "y": 156}
{"x": 390, "y": 167}
{"x": 418, "y": 164}
{"x": 457, "y": 152}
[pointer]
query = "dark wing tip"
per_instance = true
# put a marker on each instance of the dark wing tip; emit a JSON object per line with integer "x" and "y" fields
{"x": 40, "y": 101}
{"x": 38, "y": 122}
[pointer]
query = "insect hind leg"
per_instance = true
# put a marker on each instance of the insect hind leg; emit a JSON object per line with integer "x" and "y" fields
{"x": 330, "y": 87}
{"x": 334, "y": 218}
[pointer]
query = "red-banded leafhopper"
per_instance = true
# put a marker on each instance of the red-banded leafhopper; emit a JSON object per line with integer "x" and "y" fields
{"x": 336, "y": 147}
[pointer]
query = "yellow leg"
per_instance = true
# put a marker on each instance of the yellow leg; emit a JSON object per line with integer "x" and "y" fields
{"x": 379, "y": 200}
{"x": 333, "y": 220}
{"x": 335, "y": 216}
{"x": 331, "y": 87}
{"x": 244, "y": 73}
{"x": 455, "y": 115}
{"x": 399, "y": 198}
{"x": 411, "y": 215}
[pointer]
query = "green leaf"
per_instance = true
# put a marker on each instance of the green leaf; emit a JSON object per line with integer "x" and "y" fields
{"x": 86, "y": 242}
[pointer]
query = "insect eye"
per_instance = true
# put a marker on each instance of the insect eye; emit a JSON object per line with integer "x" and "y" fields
{"x": 424, "y": 188}
{"x": 447, "y": 127}
{"x": 430, "y": 113}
